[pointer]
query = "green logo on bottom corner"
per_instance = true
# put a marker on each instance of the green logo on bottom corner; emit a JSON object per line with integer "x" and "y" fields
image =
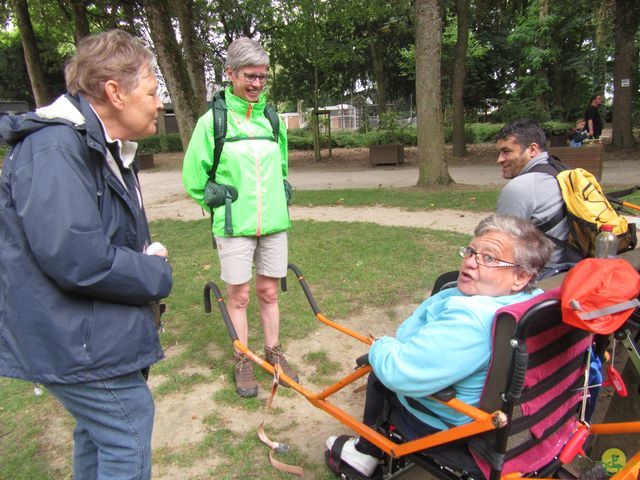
{"x": 613, "y": 460}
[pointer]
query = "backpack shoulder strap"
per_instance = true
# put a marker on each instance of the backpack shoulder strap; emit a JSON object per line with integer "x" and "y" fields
{"x": 553, "y": 167}
{"x": 219, "y": 112}
{"x": 273, "y": 118}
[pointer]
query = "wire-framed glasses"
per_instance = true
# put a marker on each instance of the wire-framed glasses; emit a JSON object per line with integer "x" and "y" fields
{"x": 485, "y": 259}
{"x": 250, "y": 77}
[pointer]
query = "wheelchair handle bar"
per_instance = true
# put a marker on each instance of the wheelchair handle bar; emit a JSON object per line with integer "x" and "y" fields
{"x": 212, "y": 287}
{"x": 305, "y": 288}
{"x": 517, "y": 383}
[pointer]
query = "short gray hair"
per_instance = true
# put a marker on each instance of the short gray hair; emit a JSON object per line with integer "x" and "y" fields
{"x": 113, "y": 55}
{"x": 244, "y": 52}
{"x": 532, "y": 249}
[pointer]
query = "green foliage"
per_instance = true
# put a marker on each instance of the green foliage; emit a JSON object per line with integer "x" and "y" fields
{"x": 324, "y": 47}
{"x": 170, "y": 142}
{"x": 474, "y": 133}
{"x": 4, "y": 149}
{"x": 15, "y": 83}
{"x": 517, "y": 107}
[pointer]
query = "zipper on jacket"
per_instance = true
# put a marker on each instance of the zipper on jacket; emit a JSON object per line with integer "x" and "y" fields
{"x": 257, "y": 164}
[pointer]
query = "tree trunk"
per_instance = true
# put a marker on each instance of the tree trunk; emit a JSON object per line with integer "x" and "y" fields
{"x": 377, "y": 58}
{"x": 173, "y": 67}
{"x": 541, "y": 73}
{"x": 80, "y": 19}
{"x": 624, "y": 72}
{"x": 432, "y": 166}
{"x": 39, "y": 86}
{"x": 459, "y": 74}
{"x": 601, "y": 18}
{"x": 194, "y": 52}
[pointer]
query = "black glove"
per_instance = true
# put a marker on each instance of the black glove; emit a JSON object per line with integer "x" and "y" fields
{"x": 215, "y": 194}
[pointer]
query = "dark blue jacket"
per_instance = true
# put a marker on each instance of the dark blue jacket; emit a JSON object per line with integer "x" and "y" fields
{"x": 75, "y": 287}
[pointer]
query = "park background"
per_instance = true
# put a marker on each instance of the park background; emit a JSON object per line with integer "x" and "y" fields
{"x": 423, "y": 73}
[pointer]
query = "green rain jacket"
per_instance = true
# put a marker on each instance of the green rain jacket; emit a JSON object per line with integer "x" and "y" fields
{"x": 254, "y": 165}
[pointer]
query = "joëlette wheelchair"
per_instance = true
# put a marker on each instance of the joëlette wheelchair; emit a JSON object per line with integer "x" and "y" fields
{"x": 528, "y": 422}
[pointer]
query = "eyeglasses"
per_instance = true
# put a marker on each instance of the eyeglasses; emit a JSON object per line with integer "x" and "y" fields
{"x": 485, "y": 259}
{"x": 249, "y": 77}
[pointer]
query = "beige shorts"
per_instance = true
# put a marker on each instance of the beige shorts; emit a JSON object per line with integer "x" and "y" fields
{"x": 239, "y": 254}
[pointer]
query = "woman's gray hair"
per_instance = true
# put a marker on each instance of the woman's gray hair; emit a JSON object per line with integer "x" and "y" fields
{"x": 113, "y": 55}
{"x": 244, "y": 52}
{"x": 532, "y": 249}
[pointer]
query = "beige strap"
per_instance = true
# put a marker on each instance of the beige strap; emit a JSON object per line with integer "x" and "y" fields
{"x": 277, "y": 447}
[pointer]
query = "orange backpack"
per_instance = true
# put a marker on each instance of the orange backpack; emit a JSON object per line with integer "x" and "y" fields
{"x": 600, "y": 294}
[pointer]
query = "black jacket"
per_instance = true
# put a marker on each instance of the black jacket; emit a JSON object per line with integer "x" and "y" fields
{"x": 75, "y": 287}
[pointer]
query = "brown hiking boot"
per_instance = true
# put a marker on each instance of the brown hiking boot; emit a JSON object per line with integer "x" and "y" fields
{"x": 246, "y": 385}
{"x": 274, "y": 356}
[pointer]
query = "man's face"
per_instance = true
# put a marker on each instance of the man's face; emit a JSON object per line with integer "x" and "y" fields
{"x": 597, "y": 101}
{"x": 512, "y": 156}
{"x": 475, "y": 279}
{"x": 248, "y": 82}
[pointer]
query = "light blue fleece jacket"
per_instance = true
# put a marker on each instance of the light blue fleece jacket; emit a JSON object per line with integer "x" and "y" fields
{"x": 445, "y": 342}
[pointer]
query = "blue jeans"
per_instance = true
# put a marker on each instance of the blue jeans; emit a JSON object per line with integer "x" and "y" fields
{"x": 114, "y": 420}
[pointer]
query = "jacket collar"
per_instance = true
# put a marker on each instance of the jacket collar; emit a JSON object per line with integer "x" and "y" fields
{"x": 241, "y": 106}
{"x": 542, "y": 157}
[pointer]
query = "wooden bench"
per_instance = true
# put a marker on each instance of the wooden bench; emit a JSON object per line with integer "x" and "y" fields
{"x": 588, "y": 157}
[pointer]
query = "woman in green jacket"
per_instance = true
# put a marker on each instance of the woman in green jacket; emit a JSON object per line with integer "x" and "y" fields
{"x": 251, "y": 230}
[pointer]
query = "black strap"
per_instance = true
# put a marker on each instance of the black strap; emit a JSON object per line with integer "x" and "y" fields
{"x": 335, "y": 454}
{"x": 485, "y": 449}
{"x": 413, "y": 402}
{"x": 553, "y": 167}
{"x": 552, "y": 380}
{"x": 274, "y": 120}
{"x": 219, "y": 112}
{"x": 523, "y": 423}
{"x": 558, "y": 346}
{"x": 533, "y": 441}
{"x": 622, "y": 193}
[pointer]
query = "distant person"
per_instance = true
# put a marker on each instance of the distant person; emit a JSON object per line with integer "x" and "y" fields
{"x": 579, "y": 134}
{"x": 498, "y": 268}
{"x": 533, "y": 192}
{"x": 253, "y": 170}
{"x": 80, "y": 277}
{"x": 593, "y": 118}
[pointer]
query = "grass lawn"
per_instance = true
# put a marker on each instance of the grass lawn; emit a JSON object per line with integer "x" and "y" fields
{"x": 348, "y": 267}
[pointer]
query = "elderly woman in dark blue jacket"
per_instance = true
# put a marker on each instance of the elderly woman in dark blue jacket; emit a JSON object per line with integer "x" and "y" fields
{"x": 79, "y": 279}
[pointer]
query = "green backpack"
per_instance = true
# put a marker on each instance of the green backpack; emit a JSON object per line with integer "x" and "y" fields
{"x": 215, "y": 194}
{"x": 219, "y": 111}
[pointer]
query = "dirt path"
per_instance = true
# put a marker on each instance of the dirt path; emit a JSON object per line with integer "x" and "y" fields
{"x": 180, "y": 417}
{"x": 165, "y": 197}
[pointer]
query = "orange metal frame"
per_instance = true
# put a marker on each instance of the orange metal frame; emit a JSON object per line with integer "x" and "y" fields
{"x": 482, "y": 421}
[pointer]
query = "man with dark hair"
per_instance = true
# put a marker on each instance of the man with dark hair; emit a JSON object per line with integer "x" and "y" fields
{"x": 533, "y": 192}
{"x": 592, "y": 117}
